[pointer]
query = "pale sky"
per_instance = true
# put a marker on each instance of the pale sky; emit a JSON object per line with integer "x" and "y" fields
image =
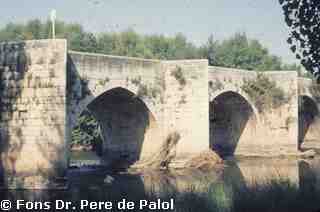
{"x": 197, "y": 19}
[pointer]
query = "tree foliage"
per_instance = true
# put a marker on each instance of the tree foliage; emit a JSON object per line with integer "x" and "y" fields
{"x": 237, "y": 52}
{"x": 87, "y": 131}
{"x": 241, "y": 52}
{"x": 303, "y": 19}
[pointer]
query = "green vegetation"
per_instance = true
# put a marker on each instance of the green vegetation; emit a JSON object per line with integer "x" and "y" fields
{"x": 216, "y": 85}
{"x": 142, "y": 91}
{"x": 103, "y": 82}
{"x": 236, "y": 52}
{"x": 178, "y": 75}
{"x": 241, "y": 52}
{"x": 302, "y": 18}
{"x": 136, "y": 81}
{"x": 264, "y": 92}
{"x": 87, "y": 132}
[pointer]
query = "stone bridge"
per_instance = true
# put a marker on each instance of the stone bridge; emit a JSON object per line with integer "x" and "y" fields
{"x": 145, "y": 108}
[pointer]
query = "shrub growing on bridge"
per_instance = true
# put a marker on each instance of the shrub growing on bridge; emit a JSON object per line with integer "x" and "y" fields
{"x": 264, "y": 92}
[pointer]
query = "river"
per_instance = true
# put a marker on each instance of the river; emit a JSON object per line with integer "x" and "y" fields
{"x": 94, "y": 184}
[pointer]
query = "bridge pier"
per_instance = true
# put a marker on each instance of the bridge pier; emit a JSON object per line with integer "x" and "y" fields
{"x": 32, "y": 94}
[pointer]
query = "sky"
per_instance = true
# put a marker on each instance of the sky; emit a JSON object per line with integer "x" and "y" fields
{"x": 196, "y": 19}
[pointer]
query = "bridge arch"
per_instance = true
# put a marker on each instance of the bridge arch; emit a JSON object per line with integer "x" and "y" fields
{"x": 129, "y": 128}
{"x": 232, "y": 120}
{"x": 229, "y": 88}
{"x": 309, "y": 122}
{"x": 93, "y": 92}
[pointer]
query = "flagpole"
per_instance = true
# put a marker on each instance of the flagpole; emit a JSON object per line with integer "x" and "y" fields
{"x": 53, "y": 21}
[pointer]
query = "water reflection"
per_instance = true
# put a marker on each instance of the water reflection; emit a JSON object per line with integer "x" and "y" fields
{"x": 91, "y": 184}
{"x": 261, "y": 171}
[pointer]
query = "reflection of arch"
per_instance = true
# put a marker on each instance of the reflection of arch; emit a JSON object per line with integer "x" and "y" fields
{"x": 307, "y": 176}
{"x": 308, "y": 118}
{"x": 126, "y": 124}
{"x": 230, "y": 116}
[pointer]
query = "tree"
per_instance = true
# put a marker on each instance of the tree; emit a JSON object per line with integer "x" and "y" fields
{"x": 159, "y": 46}
{"x": 303, "y": 19}
{"x": 241, "y": 52}
{"x": 208, "y": 50}
{"x": 211, "y": 48}
{"x": 12, "y": 32}
{"x": 236, "y": 52}
{"x": 33, "y": 29}
{"x": 87, "y": 132}
{"x": 105, "y": 43}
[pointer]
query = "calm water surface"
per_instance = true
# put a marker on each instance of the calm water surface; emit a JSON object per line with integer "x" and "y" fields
{"x": 94, "y": 184}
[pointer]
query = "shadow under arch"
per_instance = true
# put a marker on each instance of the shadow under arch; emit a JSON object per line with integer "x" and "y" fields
{"x": 308, "y": 118}
{"x": 126, "y": 125}
{"x": 230, "y": 114}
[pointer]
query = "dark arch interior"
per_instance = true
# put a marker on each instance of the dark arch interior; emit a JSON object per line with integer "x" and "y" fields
{"x": 229, "y": 116}
{"x": 308, "y": 113}
{"x": 124, "y": 120}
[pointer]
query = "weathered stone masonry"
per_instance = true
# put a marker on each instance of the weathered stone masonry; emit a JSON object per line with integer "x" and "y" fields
{"x": 271, "y": 128}
{"x": 139, "y": 103}
{"x": 33, "y": 111}
{"x": 172, "y": 92}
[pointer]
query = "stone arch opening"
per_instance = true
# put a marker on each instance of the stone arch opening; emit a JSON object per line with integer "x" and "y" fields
{"x": 231, "y": 118}
{"x": 309, "y": 123}
{"x": 127, "y": 127}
